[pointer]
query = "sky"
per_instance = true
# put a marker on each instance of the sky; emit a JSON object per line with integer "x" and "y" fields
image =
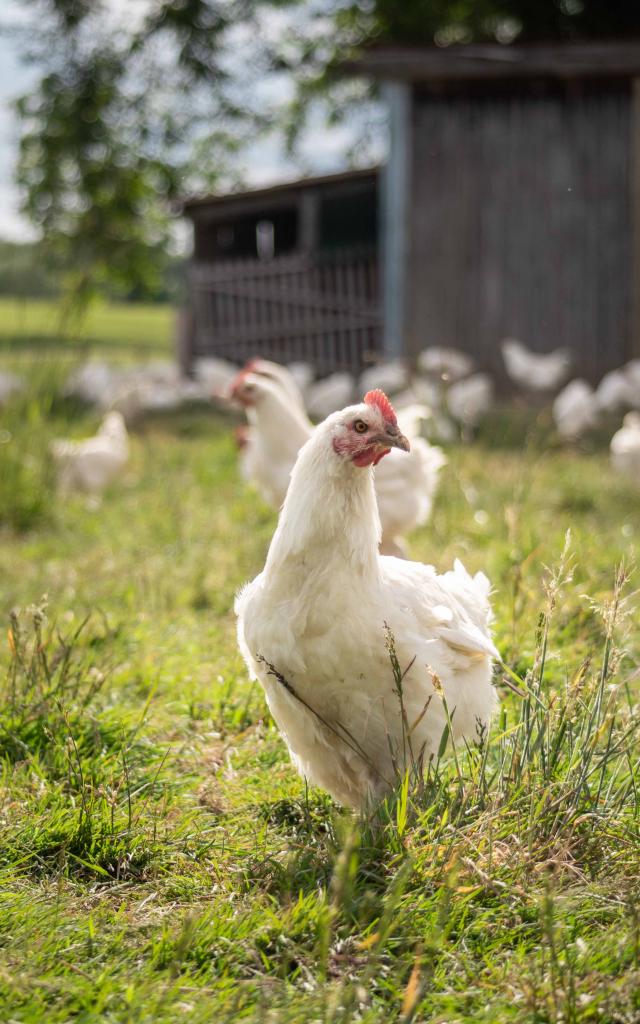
{"x": 15, "y": 79}
{"x": 323, "y": 150}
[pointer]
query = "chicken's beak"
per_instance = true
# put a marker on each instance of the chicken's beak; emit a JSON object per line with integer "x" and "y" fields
{"x": 402, "y": 443}
{"x": 393, "y": 438}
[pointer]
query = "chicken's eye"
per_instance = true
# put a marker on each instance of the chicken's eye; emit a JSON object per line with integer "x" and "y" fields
{"x": 360, "y": 427}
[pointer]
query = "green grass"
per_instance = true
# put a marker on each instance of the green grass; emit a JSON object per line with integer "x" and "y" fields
{"x": 160, "y": 860}
{"x": 119, "y": 327}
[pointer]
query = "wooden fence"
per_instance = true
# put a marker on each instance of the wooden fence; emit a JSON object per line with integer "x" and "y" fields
{"x": 322, "y": 308}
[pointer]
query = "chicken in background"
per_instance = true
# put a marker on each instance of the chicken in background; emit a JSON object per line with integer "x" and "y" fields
{"x": 405, "y": 486}
{"x": 10, "y": 384}
{"x": 312, "y": 626}
{"x": 92, "y": 464}
{"x": 390, "y": 376}
{"x": 535, "y": 371}
{"x": 449, "y": 364}
{"x": 469, "y": 400}
{"x": 625, "y": 447}
{"x": 614, "y": 392}
{"x": 214, "y": 376}
{"x": 282, "y": 375}
{"x": 329, "y": 394}
{"x": 277, "y": 430}
{"x": 94, "y": 382}
{"x": 303, "y": 374}
{"x": 575, "y": 410}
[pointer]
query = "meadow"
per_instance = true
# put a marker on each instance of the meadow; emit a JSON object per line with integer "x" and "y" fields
{"x": 117, "y": 327}
{"x": 161, "y": 860}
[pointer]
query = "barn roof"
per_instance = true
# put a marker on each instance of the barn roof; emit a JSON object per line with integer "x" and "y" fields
{"x": 280, "y": 190}
{"x": 493, "y": 61}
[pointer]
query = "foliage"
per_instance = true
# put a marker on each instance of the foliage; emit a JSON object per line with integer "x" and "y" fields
{"x": 128, "y": 116}
{"x": 159, "y": 856}
{"x": 26, "y": 473}
{"x": 28, "y": 271}
{"x": 23, "y": 271}
{"x": 108, "y": 136}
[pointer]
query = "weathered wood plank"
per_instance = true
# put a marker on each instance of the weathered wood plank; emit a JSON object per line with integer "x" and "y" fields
{"x": 323, "y": 309}
{"x": 493, "y": 61}
{"x": 521, "y": 224}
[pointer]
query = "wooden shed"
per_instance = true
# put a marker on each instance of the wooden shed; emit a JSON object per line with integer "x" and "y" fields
{"x": 511, "y": 200}
{"x": 289, "y": 272}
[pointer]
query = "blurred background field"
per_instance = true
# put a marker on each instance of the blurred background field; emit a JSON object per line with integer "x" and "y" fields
{"x": 443, "y": 194}
{"x": 115, "y": 328}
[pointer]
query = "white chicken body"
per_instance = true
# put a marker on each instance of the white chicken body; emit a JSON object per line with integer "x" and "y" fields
{"x": 575, "y": 409}
{"x": 535, "y": 371}
{"x": 317, "y": 615}
{"x": 625, "y": 447}
{"x": 278, "y": 429}
{"x": 93, "y": 463}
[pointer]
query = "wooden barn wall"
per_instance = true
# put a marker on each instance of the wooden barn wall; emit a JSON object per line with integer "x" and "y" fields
{"x": 520, "y": 225}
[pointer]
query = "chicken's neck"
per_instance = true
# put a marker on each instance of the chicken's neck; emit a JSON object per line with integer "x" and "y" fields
{"x": 330, "y": 516}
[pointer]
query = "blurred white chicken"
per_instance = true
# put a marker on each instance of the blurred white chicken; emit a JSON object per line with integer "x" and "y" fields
{"x": 312, "y": 625}
{"x": 575, "y": 410}
{"x": 470, "y": 399}
{"x": 405, "y": 485}
{"x": 613, "y": 391}
{"x": 391, "y": 376}
{"x": 303, "y": 374}
{"x": 329, "y": 394}
{"x": 10, "y": 384}
{"x": 95, "y": 462}
{"x": 214, "y": 376}
{"x": 282, "y": 376}
{"x": 277, "y": 430}
{"x": 95, "y": 382}
{"x": 632, "y": 373}
{"x": 535, "y": 371}
{"x": 448, "y": 363}
{"x": 625, "y": 447}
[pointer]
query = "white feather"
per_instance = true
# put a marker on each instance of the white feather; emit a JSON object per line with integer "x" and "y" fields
{"x": 95, "y": 462}
{"x": 317, "y": 615}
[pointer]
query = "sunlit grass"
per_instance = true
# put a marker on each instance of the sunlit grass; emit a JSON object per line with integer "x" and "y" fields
{"x": 159, "y": 857}
{"x": 118, "y": 326}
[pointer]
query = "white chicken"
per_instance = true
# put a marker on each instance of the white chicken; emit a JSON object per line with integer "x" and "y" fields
{"x": 277, "y": 430}
{"x": 93, "y": 463}
{"x": 214, "y": 376}
{"x": 575, "y": 410}
{"x": 470, "y": 399}
{"x": 625, "y": 447}
{"x": 95, "y": 382}
{"x": 312, "y": 625}
{"x": 282, "y": 375}
{"x": 632, "y": 373}
{"x": 329, "y": 394}
{"x": 303, "y": 374}
{"x": 10, "y": 385}
{"x": 613, "y": 391}
{"x": 449, "y": 363}
{"x": 535, "y": 371}
{"x": 405, "y": 485}
{"x": 391, "y": 376}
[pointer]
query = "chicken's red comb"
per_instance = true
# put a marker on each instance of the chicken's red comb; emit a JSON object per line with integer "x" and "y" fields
{"x": 379, "y": 399}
